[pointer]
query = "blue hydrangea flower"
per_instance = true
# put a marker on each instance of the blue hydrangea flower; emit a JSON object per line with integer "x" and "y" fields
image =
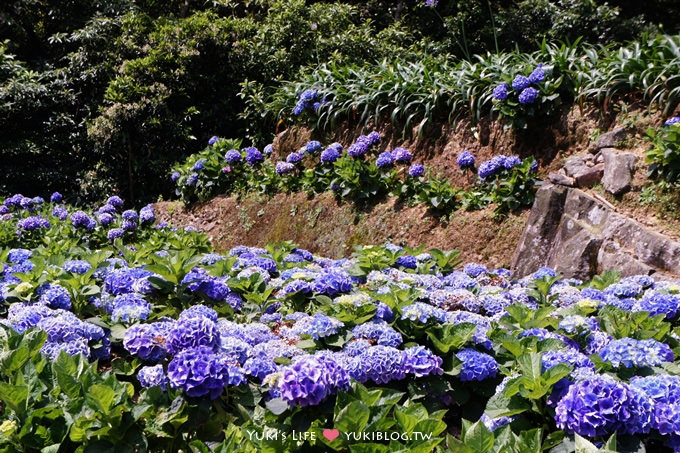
{"x": 33, "y": 223}
{"x": 199, "y": 311}
{"x": 628, "y": 352}
{"x": 543, "y": 272}
{"x": 283, "y": 168}
{"x": 313, "y": 146}
{"x": 147, "y": 341}
{"x": 294, "y": 158}
{"x": 379, "y": 333}
{"x": 537, "y": 75}
{"x": 416, "y": 170}
{"x": 306, "y": 382}
{"x": 332, "y": 282}
{"x": 569, "y": 356}
{"x": 528, "y": 96}
{"x": 259, "y": 367}
{"x": 423, "y": 313}
{"x": 672, "y": 120}
{"x": 81, "y": 220}
{"x": 18, "y": 256}
{"x": 501, "y": 92}
{"x": 476, "y": 365}
{"x": 380, "y": 364}
{"x": 152, "y": 376}
{"x": 475, "y": 270}
{"x": 407, "y": 261}
{"x": 465, "y": 160}
{"x": 115, "y": 201}
{"x": 76, "y": 266}
{"x": 129, "y": 307}
{"x": 199, "y": 372}
{"x": 420, "y": 361}
{"x": 656, "y": 303}
{"x": 318, "y": 326}
{"x": 601, "y": 406}
{"x": 175, "y": 176}
{"x": 511, "y": 161}
{"x": 193, "y": 332}
{"x": 105, "y": 219}
{"x": 56, "y": 197}
{"x": 199, "y": 165}
{"x": 520, "y": 83}
{"x": 147, "y": 214}
{"x": 402, "y": 155}
{"x": 384, "y": 160}
{"x": 60, "y": 212}
{"x": 330, "y": 155}
{"x": 253, "y": 156}
{"x": 213, "y": 140}
{"x": 54, "y": 295}
{"x": 268, "y": 149}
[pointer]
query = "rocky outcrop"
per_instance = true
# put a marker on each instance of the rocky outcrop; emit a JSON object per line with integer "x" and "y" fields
{"x": 618, "y": 170}
{"x": 580, "y": 236}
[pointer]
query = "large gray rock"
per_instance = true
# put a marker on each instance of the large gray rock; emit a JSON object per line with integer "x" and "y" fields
{"x": 589, "y": 176}
{"x": 561, "y": 179}
{"x": 574, "y": 165}
{"x": 538, "y": 237}
{"x": 580, "y": 236}
{"x": 611, "y": 139}
{"x": 618, "y": 171}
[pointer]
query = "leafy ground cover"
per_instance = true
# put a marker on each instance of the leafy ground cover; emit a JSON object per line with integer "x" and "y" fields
{"x": 420, "y": 93}
{"x": 146, "y": 340}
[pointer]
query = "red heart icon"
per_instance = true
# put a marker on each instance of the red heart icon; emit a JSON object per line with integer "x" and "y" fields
{"x": 331, "y": 434}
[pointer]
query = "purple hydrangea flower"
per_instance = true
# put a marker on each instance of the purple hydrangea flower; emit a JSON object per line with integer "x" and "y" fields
{"x": 33, "y": 223}
{"x": 233, "y": 156}
{"x": 385, "y": 159}
{"x": 402, "y": 155}
{"x": 520, "y": 83}
{"x": 56, "y": 197}
{"x": 253, "y": 156}
{"x": 152, "y": 376}
{"x": 213, "y": 140}
{"x": 283, "y": 168}
{"x": 528, "y": 95}
{"x": 416, "y": 170}
{"x": 465, "y": 160}
{"x": 501, "y": 92}
{"x": 81, "y": 220}
{"x": 537, "y": 75}
{"x": 294, "y": 158}
{"x": 476, "y": 366}
{"x": 199, "y": 372}
{"x": 600, "y": 406}
{"x": 313, "y": 146}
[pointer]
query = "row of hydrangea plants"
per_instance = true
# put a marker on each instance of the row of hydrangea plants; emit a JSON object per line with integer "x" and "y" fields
{"x": 153, "y": 342}
{"x": 361, "y": 172}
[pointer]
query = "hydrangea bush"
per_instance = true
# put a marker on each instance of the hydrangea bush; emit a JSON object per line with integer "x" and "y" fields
{"x": 171, "y": 345}
{"x": 364, "y": 170}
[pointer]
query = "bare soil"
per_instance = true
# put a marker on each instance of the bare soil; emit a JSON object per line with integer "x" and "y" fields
{"x": 324, "y": 226}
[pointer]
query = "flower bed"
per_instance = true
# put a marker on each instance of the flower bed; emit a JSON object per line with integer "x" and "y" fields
{"x": 150, "y": 341}
{"x": 361, "y": 172}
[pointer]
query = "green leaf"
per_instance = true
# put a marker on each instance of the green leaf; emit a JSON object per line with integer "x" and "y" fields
{"x": 102, "y": 396}
{"x": 353, "y": 417}
{"x": 64, "y": 368}
{"x": 15, "y": 396}
{"x": 479, "y": 438}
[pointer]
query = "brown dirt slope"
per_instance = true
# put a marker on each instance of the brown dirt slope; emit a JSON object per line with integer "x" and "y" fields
{"x": 323, "y": 226}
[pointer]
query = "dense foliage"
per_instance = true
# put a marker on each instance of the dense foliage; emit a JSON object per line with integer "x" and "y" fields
{"x": 107, "y": 95}
{"x": 148, "y": 341}
{"x": 420, "y": 93}
{"x": 363, "y": 172}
